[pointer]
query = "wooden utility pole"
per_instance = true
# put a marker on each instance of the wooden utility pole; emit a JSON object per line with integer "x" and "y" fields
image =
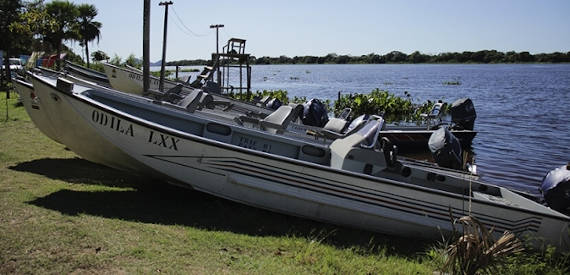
{"x": 146, "y": 47}
{"x": 161, "y": 83}
{"x": 217, "y": 27}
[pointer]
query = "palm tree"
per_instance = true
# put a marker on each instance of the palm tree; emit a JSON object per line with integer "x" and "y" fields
{"x": 64, "y": 15}
{"x": 87, "y": 29}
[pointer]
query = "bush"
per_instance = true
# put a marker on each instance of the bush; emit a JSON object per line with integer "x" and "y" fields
{"x": 379, "y": 102}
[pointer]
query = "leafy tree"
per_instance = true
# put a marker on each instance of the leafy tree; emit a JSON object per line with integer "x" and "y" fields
{"x": 417, "y": 57}
{"x": 99, "y": 56}
{"x": 133, "y": 61}
{"x": 64, "y": 14}
{"x": 35, "y": 23}
{"x": 10, "y": 11}
{"x": 396, "y": 57}
{"x": 116, "y": 60}
{"x": 86, "y": 28}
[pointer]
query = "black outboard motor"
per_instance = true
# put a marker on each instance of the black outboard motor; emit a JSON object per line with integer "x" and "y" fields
{"x": 315, "y": 113}
{"x": 445, "y": 149}
{"x": 463, "y": 114}
{"x": 555, "y": 188}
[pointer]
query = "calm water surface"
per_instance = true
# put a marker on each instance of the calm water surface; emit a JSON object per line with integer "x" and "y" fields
{"x": 523, "y": 116}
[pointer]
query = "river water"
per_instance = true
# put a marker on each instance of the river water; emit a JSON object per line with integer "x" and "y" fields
{"x": 523, "y": 117}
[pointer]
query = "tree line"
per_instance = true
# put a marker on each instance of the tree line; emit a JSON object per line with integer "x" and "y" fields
{"x": 397, "y": 57}
{"x": 27, "y": 26}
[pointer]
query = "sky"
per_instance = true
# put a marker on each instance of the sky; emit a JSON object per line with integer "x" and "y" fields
{"x": 319, "y": 27}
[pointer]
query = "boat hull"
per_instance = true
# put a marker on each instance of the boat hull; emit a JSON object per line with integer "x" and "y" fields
{"x": 72, "y": 131}
{"x": 128, "y": 81}
{"x": 246, "y": 175}
{"x": 35, "y": 108}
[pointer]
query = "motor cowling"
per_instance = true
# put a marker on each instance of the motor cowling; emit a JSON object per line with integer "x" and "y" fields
{"x": 555, "y": 188}
{"x": 445, "y": 149}
{"x": 315, "y": 113}
{"x": 463, "y": 114}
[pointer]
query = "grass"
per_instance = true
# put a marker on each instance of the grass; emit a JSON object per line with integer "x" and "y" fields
{"x": 62, "y": 214}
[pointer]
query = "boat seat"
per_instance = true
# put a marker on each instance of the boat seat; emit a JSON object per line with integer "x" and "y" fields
{"x": 331, "y": 129}
{"x": 279, "y": 119}
{"x": 174, "y": 90}
{"x": 192, "y": 101}
{"x": 205, "y": 100}
{"x": 172, "y": 95}
{"x": 336, "y": 125}
{"x": 276, "y": 121}
{"x": 358, "y": 152}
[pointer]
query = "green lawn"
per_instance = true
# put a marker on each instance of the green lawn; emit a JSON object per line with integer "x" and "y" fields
{"x": 62, "y": 214}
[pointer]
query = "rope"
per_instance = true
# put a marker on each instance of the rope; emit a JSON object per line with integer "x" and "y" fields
{"x": 470, "y": 192}
{"x": 228, "y": 35}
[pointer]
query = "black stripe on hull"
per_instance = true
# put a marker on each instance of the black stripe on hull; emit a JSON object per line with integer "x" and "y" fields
{"x": 340, "y": 190}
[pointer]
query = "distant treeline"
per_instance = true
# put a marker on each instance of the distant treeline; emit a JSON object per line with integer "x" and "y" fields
{"x": 396, "y": 57}
{"x": 186, "y": 62}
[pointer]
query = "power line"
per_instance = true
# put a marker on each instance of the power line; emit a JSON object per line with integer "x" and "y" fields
{"x": 180, "y": 28}
{"x": 186, "y": 27}
{"x": 229, "y": 35}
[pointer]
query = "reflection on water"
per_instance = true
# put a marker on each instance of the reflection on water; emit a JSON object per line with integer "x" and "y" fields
{"x": 522, "y": 110}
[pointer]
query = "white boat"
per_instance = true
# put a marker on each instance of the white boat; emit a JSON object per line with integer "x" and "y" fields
{"x": 35, "y": 109}
{"x": 86, "y": 74}
{"x": 347, "y": 182}
{"x": 59, "y": 121}
{"x": 130, "y": 81}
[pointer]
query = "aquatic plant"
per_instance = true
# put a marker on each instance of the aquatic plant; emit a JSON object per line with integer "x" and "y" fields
{"x": 299, "y": 100}
{"x": 377, "y": 102}
{"x": 380, "y": 102}
{"x": 281, "y": 95}
{"x": 189, "y": 70}
{"x": 157, "y": 73}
